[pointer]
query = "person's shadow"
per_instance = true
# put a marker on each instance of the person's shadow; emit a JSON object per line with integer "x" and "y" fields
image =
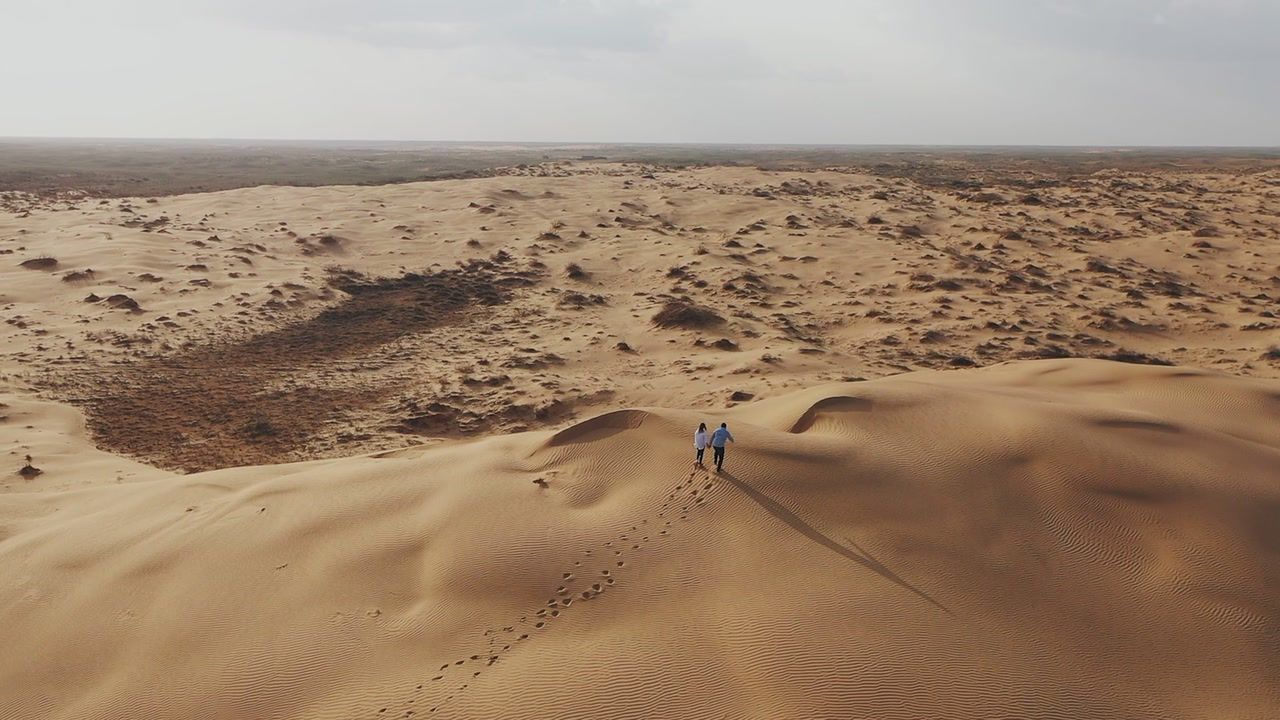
{"x": 857, "y": 554}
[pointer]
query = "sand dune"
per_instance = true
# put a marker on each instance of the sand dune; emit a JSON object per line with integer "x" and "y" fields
{"x": 63, "y": 457}
{"x": 1047, "y": 539}
{"x": 483, "y": 393}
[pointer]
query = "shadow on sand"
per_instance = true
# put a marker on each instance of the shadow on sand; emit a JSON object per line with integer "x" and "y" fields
{"x": 857, "y": 554}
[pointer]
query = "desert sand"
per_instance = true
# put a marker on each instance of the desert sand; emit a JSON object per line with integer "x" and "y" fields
{"x": 1004, "y": 449}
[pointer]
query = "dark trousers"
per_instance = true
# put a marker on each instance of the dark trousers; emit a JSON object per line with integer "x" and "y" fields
{"x": 718, "y": 452}
{"x": 700, "y": 452}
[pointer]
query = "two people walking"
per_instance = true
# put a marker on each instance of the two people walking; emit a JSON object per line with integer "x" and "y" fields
{"x": 717, "y": 441}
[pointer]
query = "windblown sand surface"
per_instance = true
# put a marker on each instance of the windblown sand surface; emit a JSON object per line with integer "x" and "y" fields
{"x": 1058, "y": 539}
{"x": 1056, "y": 535}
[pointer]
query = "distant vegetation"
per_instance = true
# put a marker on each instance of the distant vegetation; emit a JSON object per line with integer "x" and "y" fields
{"x": 167, "y": 167}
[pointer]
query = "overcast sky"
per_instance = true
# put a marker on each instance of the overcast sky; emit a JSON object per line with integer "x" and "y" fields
{"x": 1069, "y": 72}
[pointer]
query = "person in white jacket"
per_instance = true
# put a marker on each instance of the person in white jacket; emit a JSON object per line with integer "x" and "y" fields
{"x": 700, "y": 442}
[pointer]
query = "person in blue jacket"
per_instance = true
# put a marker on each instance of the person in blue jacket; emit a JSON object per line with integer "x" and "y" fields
{"x": 718, "y": 440}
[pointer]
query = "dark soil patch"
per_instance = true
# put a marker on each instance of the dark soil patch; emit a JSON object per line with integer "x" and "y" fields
{"x": 257, "y": 401}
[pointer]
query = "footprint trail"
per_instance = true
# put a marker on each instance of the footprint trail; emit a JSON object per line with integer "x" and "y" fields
{"x": 599, "y": 570}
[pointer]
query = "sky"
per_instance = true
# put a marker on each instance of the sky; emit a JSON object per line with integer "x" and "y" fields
{"x": 932, "y": 72}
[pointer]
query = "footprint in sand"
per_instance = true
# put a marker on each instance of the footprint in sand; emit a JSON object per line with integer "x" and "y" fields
{"x": 557, "y": 606}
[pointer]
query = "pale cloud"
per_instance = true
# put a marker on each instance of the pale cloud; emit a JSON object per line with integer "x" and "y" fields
{"x": 605, "y": 25}
{"x": 806, "y": 71}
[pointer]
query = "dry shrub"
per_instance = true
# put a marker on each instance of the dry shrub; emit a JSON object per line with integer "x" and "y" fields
{"x": 78, "y": 276}
{"x": 681, "y": 314}
{"x": 40, "y": 263}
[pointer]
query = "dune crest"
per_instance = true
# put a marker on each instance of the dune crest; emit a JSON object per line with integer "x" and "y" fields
{"x": 826, "y": 408}
{"x": 1029, "y": 540}
{"x": 599, "y": 426}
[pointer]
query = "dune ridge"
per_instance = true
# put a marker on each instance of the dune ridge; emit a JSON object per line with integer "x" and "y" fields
{"x": 1045, "y": 539}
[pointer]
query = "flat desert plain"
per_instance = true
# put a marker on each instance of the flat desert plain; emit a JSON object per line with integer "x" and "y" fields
{"x": 1007, "y": 445}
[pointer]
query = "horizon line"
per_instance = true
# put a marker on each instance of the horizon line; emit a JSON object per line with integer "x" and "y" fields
{"x": 643, "y": 143}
